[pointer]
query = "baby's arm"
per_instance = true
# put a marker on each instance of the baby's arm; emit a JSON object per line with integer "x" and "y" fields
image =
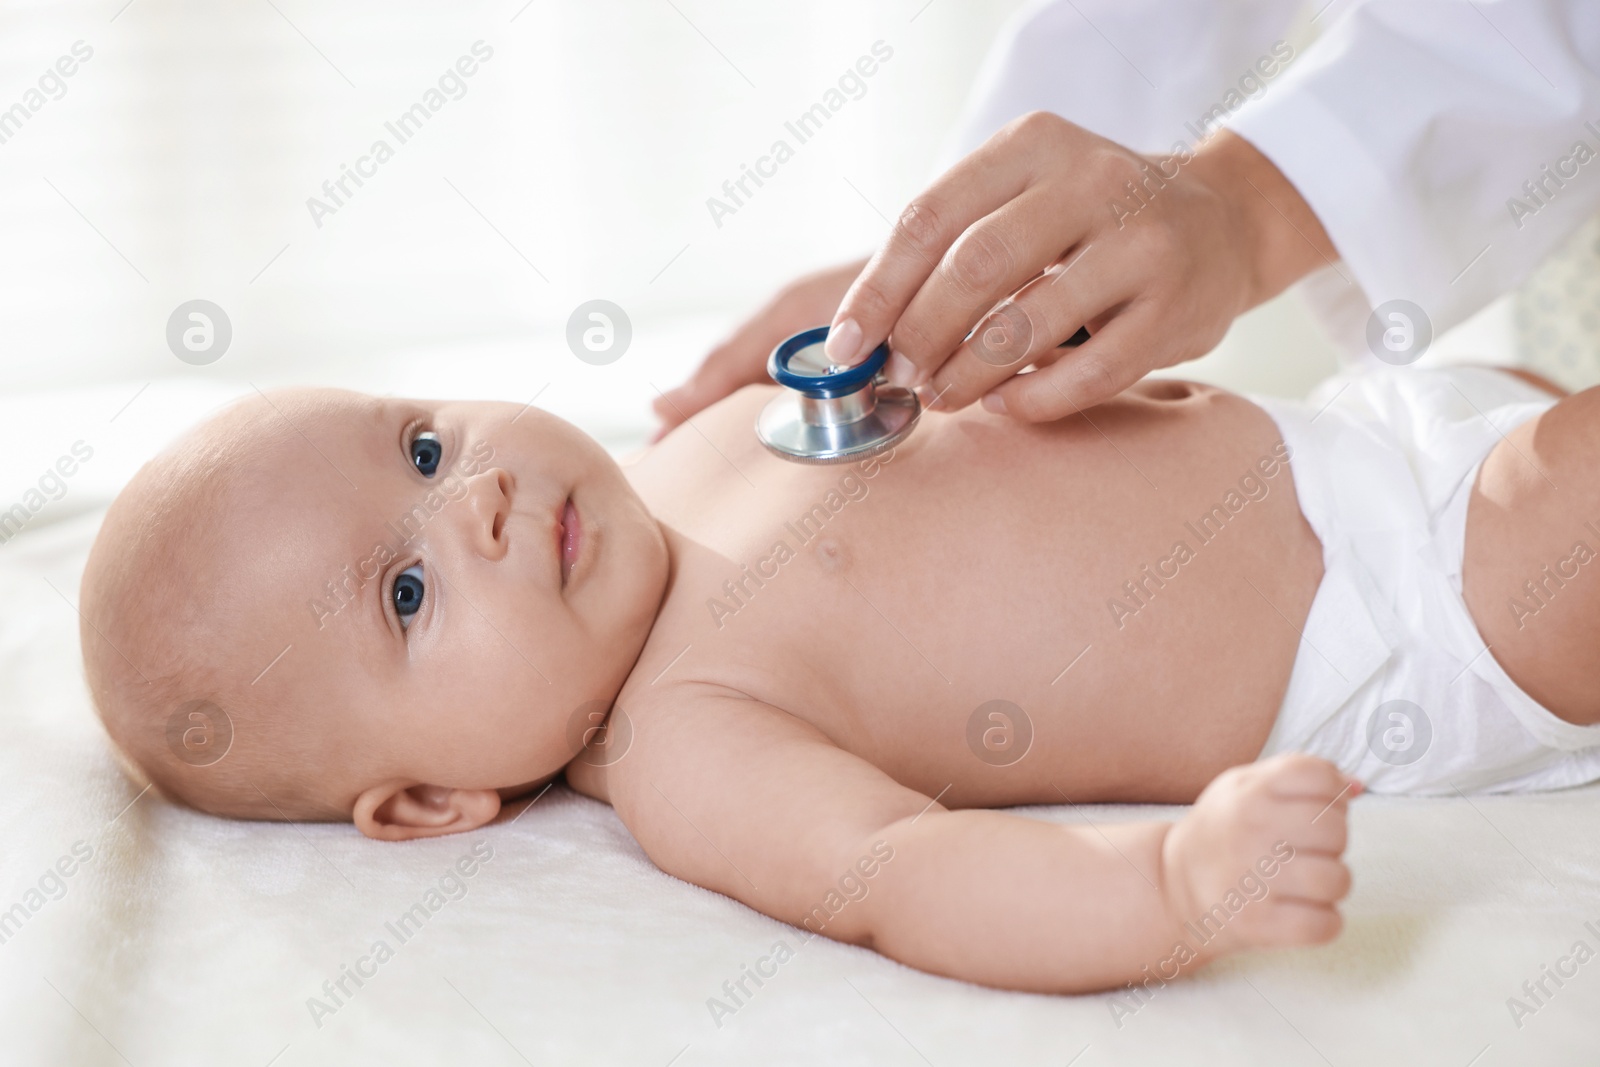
{"x": 747, "y": 800}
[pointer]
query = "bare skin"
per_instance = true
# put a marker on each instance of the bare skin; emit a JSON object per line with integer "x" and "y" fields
{"x": 814, "y": 735}
{"x": 976, "y": 565}
{"x": 819, "y": 725}
{"x": 824, "y": 724}
{"x": 974, "y": 502}
{"x": 1031, "y": 236}
{"x": 1535, "y": 500}
{"x": 828, "y": 721}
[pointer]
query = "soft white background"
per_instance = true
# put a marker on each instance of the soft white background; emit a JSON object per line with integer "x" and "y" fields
{"x": 590, "y": 141}
{"x": 179, "y": 161}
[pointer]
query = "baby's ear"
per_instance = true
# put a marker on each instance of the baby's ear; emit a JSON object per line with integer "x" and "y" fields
{"x": 399, "y": 810}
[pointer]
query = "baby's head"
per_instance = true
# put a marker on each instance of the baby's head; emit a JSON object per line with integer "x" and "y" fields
{"x": 323, "y": 605}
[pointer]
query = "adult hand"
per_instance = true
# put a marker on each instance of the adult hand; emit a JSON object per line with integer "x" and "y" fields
{"x": 1047, "y": 228}
{"x": 742, "y": 358}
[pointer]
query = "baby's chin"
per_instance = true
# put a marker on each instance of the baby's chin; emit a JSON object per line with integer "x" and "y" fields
{"x": 530, "y": 789}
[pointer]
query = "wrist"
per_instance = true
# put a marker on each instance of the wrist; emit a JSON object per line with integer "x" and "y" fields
{"x": 1182, "y": 904}
{"x": 1171, "y": 881}
{"x": 1282, "y": 238}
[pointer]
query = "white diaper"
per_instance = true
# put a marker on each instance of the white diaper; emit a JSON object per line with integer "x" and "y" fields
{"x": 1392, "y": 681}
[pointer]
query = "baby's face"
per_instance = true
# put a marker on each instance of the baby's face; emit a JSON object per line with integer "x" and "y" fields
{"x": 455, "y": 584}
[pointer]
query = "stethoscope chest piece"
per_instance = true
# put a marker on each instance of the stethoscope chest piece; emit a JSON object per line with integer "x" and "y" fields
{"x": 829, "y": 414}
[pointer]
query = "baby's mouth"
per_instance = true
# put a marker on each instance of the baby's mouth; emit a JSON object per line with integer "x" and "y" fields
{"x": 569, "y": 539}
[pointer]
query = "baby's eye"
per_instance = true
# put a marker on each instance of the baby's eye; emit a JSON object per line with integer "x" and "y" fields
{"x": 425, "y": 452}
{"x": 408, "y": 590}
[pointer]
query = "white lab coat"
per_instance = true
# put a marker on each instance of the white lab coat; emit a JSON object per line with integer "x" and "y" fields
{"x": 1449, "y": 147}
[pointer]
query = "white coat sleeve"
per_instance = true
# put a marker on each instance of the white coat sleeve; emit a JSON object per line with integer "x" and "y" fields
{"x": 1447, "y": 146}
{"x": 1138, "y": 72}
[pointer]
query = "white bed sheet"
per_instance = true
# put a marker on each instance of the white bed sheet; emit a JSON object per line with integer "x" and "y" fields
{"x": 193, "y": 940}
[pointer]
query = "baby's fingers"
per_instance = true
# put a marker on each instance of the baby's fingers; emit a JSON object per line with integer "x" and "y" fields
{"x": 1301, "y": 824}
{"x": 1311, "y": 878}
{"x": 735, "y": 363}
{"x": 1289, "y": 922}
{"x": 1295, "y": 775}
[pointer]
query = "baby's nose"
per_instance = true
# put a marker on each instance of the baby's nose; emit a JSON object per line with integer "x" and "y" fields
{"x": 484, "y": 512}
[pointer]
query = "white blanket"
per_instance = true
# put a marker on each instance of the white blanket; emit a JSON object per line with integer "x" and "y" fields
{"x": 138, "y": 932}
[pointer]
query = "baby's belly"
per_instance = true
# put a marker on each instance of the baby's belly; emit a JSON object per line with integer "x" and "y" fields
{"x": 1107, "y": 608}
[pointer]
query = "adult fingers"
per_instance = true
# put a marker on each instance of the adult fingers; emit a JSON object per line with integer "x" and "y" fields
{"x": 736, "y": 362}
{"x": 1028, "y": 328}
{"x": 742, "y": 358}
{"x": 994, "y": 173}
{"x": 1117, "y": 355}
{"x": 990, "y": 261}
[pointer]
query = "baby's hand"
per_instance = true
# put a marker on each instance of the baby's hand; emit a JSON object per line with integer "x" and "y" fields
{"x": 1255, "y": 863}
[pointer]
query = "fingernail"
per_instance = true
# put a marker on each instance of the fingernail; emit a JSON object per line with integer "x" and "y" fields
{"x": 844, "y": 343}
{"x": 994, "y": 402}
{"x": 901, "y": 371}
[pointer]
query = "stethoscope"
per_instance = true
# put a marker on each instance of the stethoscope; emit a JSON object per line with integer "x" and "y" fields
{"x": 828, "y": 413}
{"x": 833, "y": 414}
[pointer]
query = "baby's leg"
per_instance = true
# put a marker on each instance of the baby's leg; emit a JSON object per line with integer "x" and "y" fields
{"x": 1532, "y": 566}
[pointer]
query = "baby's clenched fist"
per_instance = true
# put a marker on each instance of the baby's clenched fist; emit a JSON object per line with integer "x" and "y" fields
{"x": 1256, "y": 862}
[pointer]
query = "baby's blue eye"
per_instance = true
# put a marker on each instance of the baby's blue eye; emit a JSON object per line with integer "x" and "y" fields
{"x": 425, "y": 452}
{"x": 408, "y": 591}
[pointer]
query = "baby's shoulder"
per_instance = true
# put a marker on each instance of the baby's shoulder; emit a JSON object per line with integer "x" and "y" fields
{"x": 681, "y": 729}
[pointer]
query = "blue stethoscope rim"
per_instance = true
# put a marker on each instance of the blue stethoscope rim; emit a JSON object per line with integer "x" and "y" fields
{"x": 822, "y": 386}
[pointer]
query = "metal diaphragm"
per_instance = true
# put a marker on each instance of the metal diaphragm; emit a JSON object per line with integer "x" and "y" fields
{"x": 828, "y": 413}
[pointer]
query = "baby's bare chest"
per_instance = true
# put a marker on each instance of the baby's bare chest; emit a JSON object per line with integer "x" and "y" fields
{"x": 889, "y": 602}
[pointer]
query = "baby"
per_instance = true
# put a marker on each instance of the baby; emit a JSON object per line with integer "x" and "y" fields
{"x": 797, "y": 683}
